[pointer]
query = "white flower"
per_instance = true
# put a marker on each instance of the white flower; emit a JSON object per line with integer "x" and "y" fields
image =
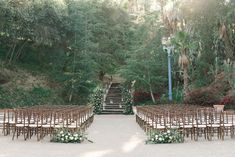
{"x": 160, "y": 139}
{"x": 152, "y": 139}
{"x": 61, "y": 132}
{"x": 71, "y": 137}
{"x": 62, "y": 139}
{"x": 76, "y": 135}
{"x": 168, "y": 131}
{"x": 156, "y": 136}
{"x": 66, "y": 137}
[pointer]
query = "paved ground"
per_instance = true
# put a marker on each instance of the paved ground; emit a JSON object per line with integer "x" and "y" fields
{"x": 115, "y": 136}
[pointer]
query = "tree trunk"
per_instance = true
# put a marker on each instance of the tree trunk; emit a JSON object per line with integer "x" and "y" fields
{"x": 12, "y": 54}
{"x": 185, "y": 82}
{"x": 71, "y": 94}
{"x": 20, "y": 51}
{"x": 151, "y": 92}
{"x": 150, "y": 87}
{"x": 233, "y": 74}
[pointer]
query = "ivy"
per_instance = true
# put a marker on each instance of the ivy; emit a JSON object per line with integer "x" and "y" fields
{"x": 97, "y": 100}
{"x": 127, "y": 101}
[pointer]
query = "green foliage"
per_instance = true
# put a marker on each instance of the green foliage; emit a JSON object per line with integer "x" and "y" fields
{"x": 97, "y": 100}
{"x": 73, "y": 41}
{"x": 146, "y": 62}
{"x": 169, "y": 136}
{"x": 127, "y": 101}
{"x": 20, "y": 97}
{"x": 65, "y": 136}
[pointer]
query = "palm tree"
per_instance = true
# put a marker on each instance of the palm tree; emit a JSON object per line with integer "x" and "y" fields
{"x": 182, "y": 43}
{"x": 226, "y": 34}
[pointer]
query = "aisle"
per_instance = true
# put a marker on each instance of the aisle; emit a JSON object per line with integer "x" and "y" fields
{"x": 118, "y": 134}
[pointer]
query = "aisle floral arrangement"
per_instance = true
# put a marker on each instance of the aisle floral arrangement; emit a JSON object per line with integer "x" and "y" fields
{"x": 169, "y": 136}
{"x": 127, "y": 101}
{"x": 65, "y": 136}
{"x": 96, "y": 100}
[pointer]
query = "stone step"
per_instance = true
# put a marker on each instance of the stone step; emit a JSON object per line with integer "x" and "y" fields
{"x": 114, "y": 92}
{"x": 113, "y": 107}
{"x": 112, "y": 111}
{"x": 107, "y": 112}
{"x": 114, "y": 96}
{"x": 115, "y": 88}
{"x": 115, "y": 84}
{"x": 114, "y": 104}
{"x": 113, "y": 101}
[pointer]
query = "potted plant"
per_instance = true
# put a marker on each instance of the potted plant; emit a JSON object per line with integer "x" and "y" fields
{"x": 220, "y": 107}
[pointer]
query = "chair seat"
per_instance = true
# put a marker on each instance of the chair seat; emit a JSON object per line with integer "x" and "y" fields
{"x": 202, "y": 126}
{"x": 33, "y": 125}
{"x": 20, "y": 125}
{"x": 46, "y": 126}
{"x": 227, "y": 125}
{"x": 159, "y": 127}
{"x": 215, "y": 125}
{"x": 73, "y": 126}
{"x": 58, "y": 126}
{"x": 188, "y": 126}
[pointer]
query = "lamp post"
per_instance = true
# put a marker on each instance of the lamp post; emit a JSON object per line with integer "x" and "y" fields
{"x": 169, "y": 48}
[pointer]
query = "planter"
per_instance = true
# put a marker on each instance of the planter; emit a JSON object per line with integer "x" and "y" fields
{"x": 134, "y": 109}
{"x": 219, "y": 108}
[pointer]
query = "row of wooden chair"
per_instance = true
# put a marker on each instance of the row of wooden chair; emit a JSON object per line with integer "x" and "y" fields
{"x": 191, "y": 121}
{"x": 45, "y": 120}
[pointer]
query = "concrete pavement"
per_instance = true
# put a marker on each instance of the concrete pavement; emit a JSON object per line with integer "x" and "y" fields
{"x": 115, "y": 136}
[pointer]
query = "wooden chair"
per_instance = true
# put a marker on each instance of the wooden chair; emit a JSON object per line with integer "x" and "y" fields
{"x": 20, "y": 125}
{"x": 227, "y": 123}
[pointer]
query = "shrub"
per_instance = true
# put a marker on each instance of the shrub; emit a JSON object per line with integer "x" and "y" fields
{"x": 128, "y": 101}
{"x": 229, "y": 102}
{"x": 65, "y": 136}
{"x": 96, "y": 100}
{"x": 143, "y": 97}
{"x": 203, "y": 96}
{"x": 17, "y": 97}
{"x": 169, "y": 136}
{"x": 211, "y": 94}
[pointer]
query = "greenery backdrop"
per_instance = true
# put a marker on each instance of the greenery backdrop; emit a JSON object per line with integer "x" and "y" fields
{"x": 73, "y": 43}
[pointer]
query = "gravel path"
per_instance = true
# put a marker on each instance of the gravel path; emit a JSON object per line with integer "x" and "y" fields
{"x": 115, "y": 136}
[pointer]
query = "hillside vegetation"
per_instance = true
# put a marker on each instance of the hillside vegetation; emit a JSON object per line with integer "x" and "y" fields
{"x": 57, "y": 52}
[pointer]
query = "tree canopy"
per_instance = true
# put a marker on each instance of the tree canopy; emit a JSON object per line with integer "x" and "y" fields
{"x": 76, "y": 42}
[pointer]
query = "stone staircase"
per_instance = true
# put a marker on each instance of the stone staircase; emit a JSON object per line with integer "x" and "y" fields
{"x": 113, "y": 101}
